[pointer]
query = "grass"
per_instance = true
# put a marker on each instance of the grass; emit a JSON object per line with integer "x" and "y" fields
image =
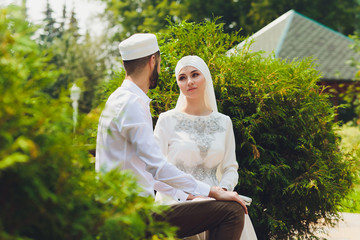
{"x": 350, "y": 143}
{"x": 352, "y": 203}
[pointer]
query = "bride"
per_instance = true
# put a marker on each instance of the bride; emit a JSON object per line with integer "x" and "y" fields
{"x": 198, "y": 139}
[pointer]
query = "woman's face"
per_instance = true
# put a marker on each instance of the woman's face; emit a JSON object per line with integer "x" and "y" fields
{"x": 191, "y": 82}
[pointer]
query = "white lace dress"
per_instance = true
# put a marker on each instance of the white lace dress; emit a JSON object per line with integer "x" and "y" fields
{"x": 203, "y": 146}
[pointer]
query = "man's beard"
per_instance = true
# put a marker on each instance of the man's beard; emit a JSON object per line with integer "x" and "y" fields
{"x": 154, "y": 78}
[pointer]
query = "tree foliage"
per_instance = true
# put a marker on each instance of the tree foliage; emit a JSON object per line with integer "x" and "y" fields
{"x": 48, "y": 186}
{"x": 129, "y": 17}
{"x": 342, "y": 16}
{"x": 81, "y": 59}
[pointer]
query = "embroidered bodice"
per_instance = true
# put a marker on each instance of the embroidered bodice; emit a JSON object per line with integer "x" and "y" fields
{"x": 200, "y": 129}
{"x": 202, "y": 146}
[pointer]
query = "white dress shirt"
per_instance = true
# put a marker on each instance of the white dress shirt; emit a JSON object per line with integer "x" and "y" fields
{"x": 125, "y": 140}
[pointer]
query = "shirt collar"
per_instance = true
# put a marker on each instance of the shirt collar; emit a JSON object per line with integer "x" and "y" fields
{"x": 135, "y": 89}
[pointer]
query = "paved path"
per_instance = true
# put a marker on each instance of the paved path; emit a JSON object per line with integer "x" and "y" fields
{"x": 349, "y": 229}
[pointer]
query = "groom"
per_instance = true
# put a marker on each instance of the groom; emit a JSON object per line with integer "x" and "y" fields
{"x": 125, "y": 140}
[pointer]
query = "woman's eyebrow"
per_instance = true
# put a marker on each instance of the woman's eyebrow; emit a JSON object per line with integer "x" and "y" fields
{"x": 195, "y": 70}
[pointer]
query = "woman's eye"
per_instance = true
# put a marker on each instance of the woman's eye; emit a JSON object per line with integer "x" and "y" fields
{"x": 181, "y": 78}
{"x": 195, "y": 74}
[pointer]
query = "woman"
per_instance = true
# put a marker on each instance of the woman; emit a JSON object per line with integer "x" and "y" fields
{"x": 197, "y": 138}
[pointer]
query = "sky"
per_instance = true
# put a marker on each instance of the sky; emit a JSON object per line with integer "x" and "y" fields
{"x": 85, "y": 11}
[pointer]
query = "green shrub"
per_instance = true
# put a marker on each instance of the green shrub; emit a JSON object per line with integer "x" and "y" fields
{"x": 287, "y": 147}
{"x": 286, "y": 144}
{"x": 48, "y": 186}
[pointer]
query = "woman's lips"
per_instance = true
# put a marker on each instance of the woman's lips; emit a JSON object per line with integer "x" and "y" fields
{"x": 191, "y": 89}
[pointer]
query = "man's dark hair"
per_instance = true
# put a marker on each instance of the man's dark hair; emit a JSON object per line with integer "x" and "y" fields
{"x": 132, "y": 66}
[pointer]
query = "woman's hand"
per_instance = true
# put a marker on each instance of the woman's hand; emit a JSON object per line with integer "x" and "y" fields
{"x": 227, "y": 196}
{"x": 190, "y": 197}
{"x": 219, "y": 188}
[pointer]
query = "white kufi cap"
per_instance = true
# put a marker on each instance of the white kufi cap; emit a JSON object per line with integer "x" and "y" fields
{"x": 138, "y": 45}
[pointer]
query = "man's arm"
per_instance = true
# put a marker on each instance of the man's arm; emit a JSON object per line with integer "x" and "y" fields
{"x": 135, "y": 126}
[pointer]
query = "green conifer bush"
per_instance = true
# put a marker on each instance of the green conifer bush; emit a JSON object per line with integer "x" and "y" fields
{"x": 48, "y": 185}
{"x": 286, "y": 144}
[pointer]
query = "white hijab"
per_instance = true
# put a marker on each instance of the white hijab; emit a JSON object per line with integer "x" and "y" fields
{"x": 197, "y": 62}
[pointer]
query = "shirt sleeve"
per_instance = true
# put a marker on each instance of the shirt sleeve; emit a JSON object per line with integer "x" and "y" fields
{"x": 136, "y": 127}
{"x": 174, "y": 193}
{"x": 229, "y": 165}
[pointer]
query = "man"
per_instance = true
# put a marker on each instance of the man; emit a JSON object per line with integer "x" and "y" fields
{"x": 125, "y": 140}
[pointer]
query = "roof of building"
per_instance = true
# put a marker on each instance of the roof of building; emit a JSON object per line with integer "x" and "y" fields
{"x": 294, "y": 36}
